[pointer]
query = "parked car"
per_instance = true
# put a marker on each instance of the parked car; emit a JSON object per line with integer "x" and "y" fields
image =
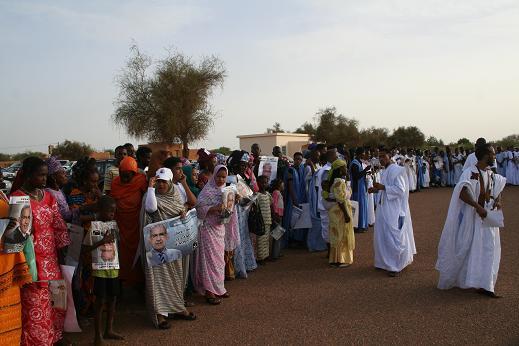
{"x": 5, "y": 185}
{"x": 9, "y": 173}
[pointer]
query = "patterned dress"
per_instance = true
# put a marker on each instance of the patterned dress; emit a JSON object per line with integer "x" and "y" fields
{"x": 41, "y": 324}
{"x": 342, "y": 238}
{"x": 264, "y": 202}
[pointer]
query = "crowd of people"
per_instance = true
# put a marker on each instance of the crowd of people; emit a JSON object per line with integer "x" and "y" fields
{"x": 346, "y": 192}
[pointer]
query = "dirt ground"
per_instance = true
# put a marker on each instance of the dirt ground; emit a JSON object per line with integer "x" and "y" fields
{"x": 300, "y": 300}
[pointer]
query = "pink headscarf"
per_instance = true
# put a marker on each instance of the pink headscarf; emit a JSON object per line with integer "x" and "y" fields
{"x": 217, "y": 169}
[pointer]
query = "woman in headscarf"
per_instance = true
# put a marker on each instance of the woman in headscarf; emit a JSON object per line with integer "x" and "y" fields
{"x": 127, "y": 190}
{"x": 209, "y": 263}
{"x": 244, "y": 258}
{"x": 206, "y": 163}
{"x": 56, "y": 180}
{"x": 14, "y": 273}
{"x": 41, "y": 323}
{"x": 191, "y": 174}
{"x": 342, "y": 238}
{"x": 83, "y": 194}
{"x": 164, "y": 282}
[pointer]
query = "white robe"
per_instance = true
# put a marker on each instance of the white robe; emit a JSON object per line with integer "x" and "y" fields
{"x": 371, "y": 201}
{"x": 511, "y": 168}
{"x": 393, "y": 237}
{"x": 471, "y": 161}
{"x": 426, "y": 174}
{"x": 458, "y": 167}
{"x": 469, "y": 253}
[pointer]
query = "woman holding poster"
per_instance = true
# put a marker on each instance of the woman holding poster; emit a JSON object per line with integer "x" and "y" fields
{"x": 41, "y": 323}
{"x": 209, "y": 262}
{"x": 14, "y": 273}
{"x": 164, "y": 282}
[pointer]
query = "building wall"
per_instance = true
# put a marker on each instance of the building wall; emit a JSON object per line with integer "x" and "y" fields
{"x": 289, "y": 143}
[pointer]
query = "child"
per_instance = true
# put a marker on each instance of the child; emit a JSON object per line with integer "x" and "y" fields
{"x": 264, "y": 201}
{"x": 106, "y": 282}
{"x": 278, "y": 208}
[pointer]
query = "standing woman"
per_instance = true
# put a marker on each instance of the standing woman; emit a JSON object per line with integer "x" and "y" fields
{"x": 206, "y": 162}
{"x": 14, "y": 273}
{"x": 164, "y": 282}
{"x": 342, "y": 238}
{"x": 209, "y": 263}
{"x": 41, "y": 324}
{"x": 127, "y": 190}
{"x": 191, "y": 174}
{"x": 56, "y": 180}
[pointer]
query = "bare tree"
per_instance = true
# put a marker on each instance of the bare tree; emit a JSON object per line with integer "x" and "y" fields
{"x": 170, "y": 104}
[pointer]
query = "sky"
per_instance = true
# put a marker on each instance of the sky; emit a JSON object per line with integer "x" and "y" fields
{"x": 449, "y": 67}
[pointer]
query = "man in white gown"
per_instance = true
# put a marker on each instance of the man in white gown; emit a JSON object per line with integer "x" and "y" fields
{"x": 393, "y": 238}
{"x": 470, "y": 251}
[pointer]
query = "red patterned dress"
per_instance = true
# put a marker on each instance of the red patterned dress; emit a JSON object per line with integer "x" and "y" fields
{"x": 41, "y": 324}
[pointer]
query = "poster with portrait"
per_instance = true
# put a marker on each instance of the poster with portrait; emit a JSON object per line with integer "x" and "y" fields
{"x": 106, "y": 256}
{"x": 228, "y": 198}
{"x": 19, "y": 226}
{"x": 58, "y": 294}
{"x": 268, "y": 167}
{"x": 168, "y": 240}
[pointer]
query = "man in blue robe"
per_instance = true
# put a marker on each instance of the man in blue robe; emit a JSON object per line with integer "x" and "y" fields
{"x": 359, "y": 188}
{"x": 295, "y": 195}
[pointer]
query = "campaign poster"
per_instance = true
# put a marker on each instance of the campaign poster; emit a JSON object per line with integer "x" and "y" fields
{"x": 268, "y": 167}
{"x": 105, "y": 256}
{"x": 20, "y": 224}
{"x": 168, "y": 240}
{"x": 229, "y": 199}
{"x": 58, "y": 294}
{"x": 355, "y": 213}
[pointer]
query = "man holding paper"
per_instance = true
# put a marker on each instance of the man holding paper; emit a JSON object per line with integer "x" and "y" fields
{"x": 470, "y": 250}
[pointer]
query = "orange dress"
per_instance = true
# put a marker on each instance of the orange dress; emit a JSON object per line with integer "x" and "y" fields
{"x": 14, "y": 273}
{"x": 129, "y": 199}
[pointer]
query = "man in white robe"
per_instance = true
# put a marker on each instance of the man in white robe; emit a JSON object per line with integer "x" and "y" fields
{"x": 471, "y": 160}
{"x": 393, "y": 237}
{"x": 322, "y": 175}
{"x": 457, "y": 161}
{"x": 501, "y": 156}
{"x": 470, "y": 251}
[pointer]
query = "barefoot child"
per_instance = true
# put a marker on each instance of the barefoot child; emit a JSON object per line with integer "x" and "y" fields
{"x": 106, "y": 281}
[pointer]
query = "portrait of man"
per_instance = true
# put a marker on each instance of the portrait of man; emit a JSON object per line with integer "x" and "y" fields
{"x": 230, "y": 201}
{"x": 159, "y": 253}
{"x": 19, "y": 229}
{"x": 108, "y": 253}
{"x": 267, "y": 169}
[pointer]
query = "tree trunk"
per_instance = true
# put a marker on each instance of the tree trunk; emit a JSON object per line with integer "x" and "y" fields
{"x": 185, "y": 148}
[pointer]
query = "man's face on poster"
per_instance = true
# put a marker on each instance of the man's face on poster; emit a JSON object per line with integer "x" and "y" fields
{"x": 230, "y": 200}
{"x": 267, "y": 169}
{"x": 107, "y": 252}
{"x": 25, "y": 220}
{"x": 158, "y": 237}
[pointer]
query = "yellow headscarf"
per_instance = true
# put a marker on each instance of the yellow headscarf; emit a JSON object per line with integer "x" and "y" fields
{"x": 335, "y": 165}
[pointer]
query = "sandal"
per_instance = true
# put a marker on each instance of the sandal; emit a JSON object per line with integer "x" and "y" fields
{"x": 164, "y": 325}
{"x": 213, "y": 300}
{"x": 225, "y": 295}
{"x": 180, "y": 316}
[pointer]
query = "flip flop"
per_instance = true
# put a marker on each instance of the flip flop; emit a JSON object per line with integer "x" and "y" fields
{"x": 189, "y": 317}
{"x": 213, "y": 300}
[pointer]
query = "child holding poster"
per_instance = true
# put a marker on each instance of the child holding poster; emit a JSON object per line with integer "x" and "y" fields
{"x": 101, "y": 241}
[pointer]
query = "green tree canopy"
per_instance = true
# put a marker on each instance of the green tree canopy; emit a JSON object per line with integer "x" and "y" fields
{"x": 509, "y": 141}
{"x": 432, "y": 141}
{"x": 171, "y": 103}
{"x": 72, "y": 150}
{"x": 223, "y": 150}
{"x": 407, "y": 137}
{"x": 374, "y": 137}
{"x": 276, "y": 128}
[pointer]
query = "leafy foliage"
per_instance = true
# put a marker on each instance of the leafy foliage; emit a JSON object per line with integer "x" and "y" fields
{"x": 223, "y": 150}
{"x": 72, "y": 150}
{"x": 407, "y": 137}
{"x": 509, "y": 141}
{"x": 172, "y": 104}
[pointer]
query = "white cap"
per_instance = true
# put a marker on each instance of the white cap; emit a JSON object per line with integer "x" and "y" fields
{"x": 164, "y": 174}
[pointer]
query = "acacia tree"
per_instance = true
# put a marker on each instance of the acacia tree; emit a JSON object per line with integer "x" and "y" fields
{"x": 171, "y": 103}
{"x": 374, "y": 137}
